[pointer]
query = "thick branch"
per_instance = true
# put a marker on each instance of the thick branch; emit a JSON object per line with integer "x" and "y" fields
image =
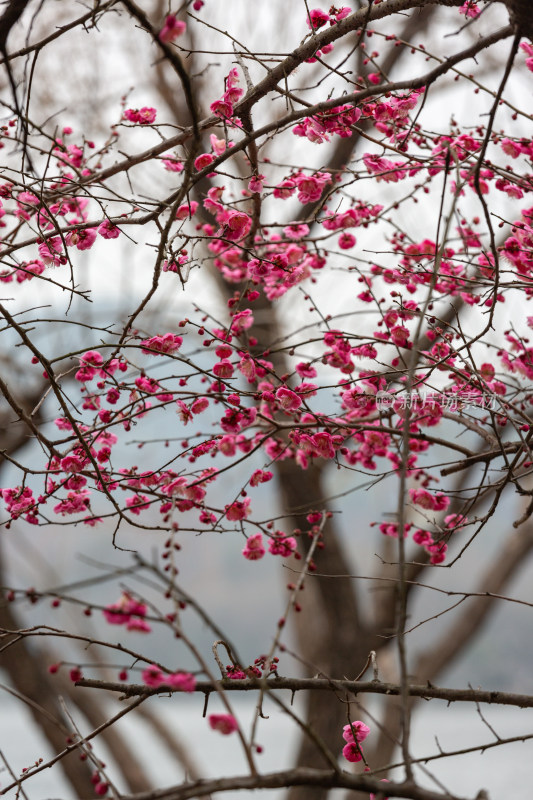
{"x": 296, "y": 777}
{"x": 322, "y": 685}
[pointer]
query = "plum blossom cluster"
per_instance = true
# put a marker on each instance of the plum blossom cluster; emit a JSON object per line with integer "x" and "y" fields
{"x": 51, "y": 247}
{"x": 428, "y": 501}
{"x": 383, "y": 169}
{"x": 337, "y": 121}
{"x": 224, "y": 106}
{"x": 162, "y": 345}
{"x": 128, "y": 612}
{"x": 518, "y": 358}
{"x": 154, "y": 677}
{"x": 20, "y": 501}
{"x": 317, "y": 18}
{"x": 518, "y": 248}
{"x": 354, "y": 733}
{"x": 141, "y": 116}
{"x": 279, "y": 545}
{"x": 390, "y": 117}
{"x": 282, "y": 262}
{"x": 435, "y": 545}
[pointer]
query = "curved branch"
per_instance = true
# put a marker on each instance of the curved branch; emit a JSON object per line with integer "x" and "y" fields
{"x": 295, "y": 777}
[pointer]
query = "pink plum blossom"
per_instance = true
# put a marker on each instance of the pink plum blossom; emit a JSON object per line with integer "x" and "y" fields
{"x": 223, "y": 369}
{"x": 129, "y": 612}
{"x": 254, "y": 549}
{"x": 83, "y": 239}
{"x": 187, "y": 210}
{"x": 51, "y": 252}
{"x": 141, "y": 116}
{"x": 218, "y": 145}
{"x": 355, "y": 729}
{"x": 199, "y": 405}
{"x": 172, "y": 164}
{"x": 238, "y": 510}
{"x": 260, "y": 476}
{"x": 256, "y": 183}
{"x": 346, "y": 241}
{"x": 203, "y": 160}
{"x": 288, "y": 400}
{"x": 154, "y": 676}
{"x": 285, "y": 189}
{"x": 310, "y": 187}
{"x": 317, "y": 19}
{"x": 470, "y": 9}
{"x": 237, "y": 226}
{"x": 423, "y": 498}
{"x": 527, "y": 47}
{"x": 223, "y": 723}
{"x": 183, "y": 681}
{"x": 162, "y": 345}
{"x": 221, "y": 108}
{"x": 354, "y": 734}
{"x": 281, "y": 545}
{"x": 352, "y": 752}
{"x": 107, "y": 230}
{"x": 172, "y": 28}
